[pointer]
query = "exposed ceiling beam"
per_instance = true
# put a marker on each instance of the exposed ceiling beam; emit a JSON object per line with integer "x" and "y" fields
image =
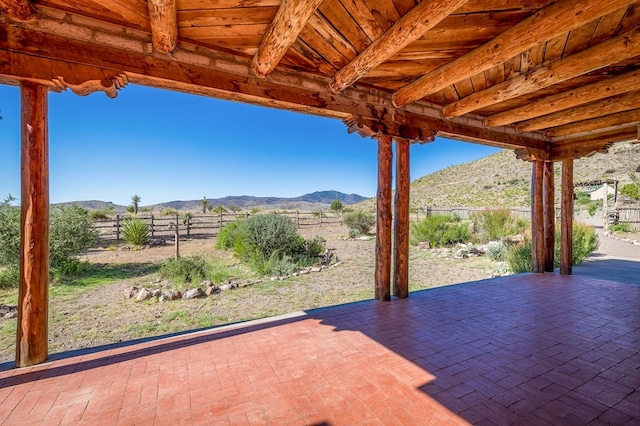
{"x": 589, "y": 145}
{"x": 289, "y": 21}
{"x": 29, "y": 53}
{"x": 164, "y": 24}
{"x": 608, "y": 106}
{"x": 426, "y": 15}
{"x": 611, "y": 86}
{"x": 553, "y": 20}
{"x": 610, "y": 52}
{"x": 597, "y": 125}
{"x": 19, "y": 10}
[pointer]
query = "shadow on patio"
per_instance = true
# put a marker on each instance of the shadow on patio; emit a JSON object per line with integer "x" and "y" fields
{"x": 528, "y": 349}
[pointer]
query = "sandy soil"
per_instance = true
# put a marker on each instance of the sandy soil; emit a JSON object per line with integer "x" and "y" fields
{"x": 102, "y": 316}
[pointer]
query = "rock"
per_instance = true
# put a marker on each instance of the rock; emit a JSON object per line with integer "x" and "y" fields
{"x": 225, "y": 287}
{"x": 163, "y": 298}
{"x": 206, "y": 283}
{"x": 155, "y": 242}
{"x": 156, "y": 292}
{"x": 193, "y": 293}
{"x": 304, "y": 271}
{"x": 211, "y": 289}
{"x": 316, "y": 269}
{"x": 425, "y": 245}
{"x": 274, "y": 278}
{"x": 143, "y": 294}
{"x": 172, "y": 295}
{"x": 10, "y": 315}
{"x": 130, "y": 292}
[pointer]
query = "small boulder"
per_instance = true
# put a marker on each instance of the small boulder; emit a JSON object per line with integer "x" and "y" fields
{"x": 143, "y": 294}
{"x": 193, "y": 293}
{"x": 130, "y": 292}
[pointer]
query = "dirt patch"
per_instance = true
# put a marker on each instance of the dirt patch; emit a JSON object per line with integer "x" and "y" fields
{"x": 102, "y": 315}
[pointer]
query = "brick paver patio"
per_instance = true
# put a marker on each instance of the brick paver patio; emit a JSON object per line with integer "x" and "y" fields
{"x": 529, "y": 349}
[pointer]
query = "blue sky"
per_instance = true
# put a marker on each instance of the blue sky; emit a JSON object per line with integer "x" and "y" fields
{"x": 166, "y": 146}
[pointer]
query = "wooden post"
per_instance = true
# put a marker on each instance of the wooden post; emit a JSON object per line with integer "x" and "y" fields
{"x": 33, "y": 299}
{"x": 152, "y": 228}
{"x": 566, "y": 219}
{"x": 549, "y": 211}
{"x": 401, "y": 225}
{"x": 537, "y": 218}
{"x": 177, "y": 236}
{"x": 117, "y": 227}
{"x": 383, "y": 220}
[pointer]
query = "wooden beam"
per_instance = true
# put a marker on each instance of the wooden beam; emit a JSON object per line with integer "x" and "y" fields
{"x": 407, "y": 29}
{"x": 289, "y": 21}
{"x": 164, "y": 24}
{"x": 626, "y": 102}
{"x": 33, "y": 298}
{"x": 19, "y": 10}
{"x": 597, "y": 125}
{"x": 401, "y": 219}
{"x": 611, "y": 86}
{"x": 609, "y": 52}
{"x": 46, "y": 56}
{"x": 549, "y": 213}
{"x": 537, "y": 218}
{"x": 566, "y": 219}
{"x": 555, "y": 19}
{"x": 383, "y": 220}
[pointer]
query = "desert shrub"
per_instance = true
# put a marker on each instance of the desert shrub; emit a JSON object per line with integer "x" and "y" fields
{"x": 9, "y": 277}
{"x": 584, "y": 242}
{"x": 631, "y": 190}
{"x": 9, "y": 236}
{"x": 497, "y": 224}
{"x": 135, "y": 231}
{"x": 185, "y": 269}
{"x": 592, "y": 209}
{"x": 497, "y": 251}
{"x": 98, "y": 215}
{"x": 620, "y": 227}
{"x": 353, "y": 233}
{"x": 280, "y": 265}
{"x": 271, "y": 233}
{"x": 315, "y": 246}
{"x": 440, "y": 230}
{"x": 360, "y": 221}
{"x": 228, "y": 235}
{"x": 519, "y": 257}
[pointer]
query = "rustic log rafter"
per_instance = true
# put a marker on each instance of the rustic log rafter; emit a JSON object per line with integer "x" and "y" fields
{"x": 610, "y": 52}
{"x": 407, "y": 29}
{"x": 549, "y": 104}
{"x": 371, "y": 128}
{"x": 109, "y": 86}
{"x": 597, "y": 125}
{"x": 555, "y": 19}
{"x": 616, "y": 104}
{"x": 164, "y": 24}
{"x": 19, "y": 10}
{"x": 289, "y": 21}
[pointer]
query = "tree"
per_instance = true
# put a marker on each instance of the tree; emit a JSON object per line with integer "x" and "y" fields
{"x": 136, "y": 200}
{"x": 234, "y": 208}
{"x": 205, "y": 204}
{"x": 219, "y": 210}
{"x": 336, "y": 205}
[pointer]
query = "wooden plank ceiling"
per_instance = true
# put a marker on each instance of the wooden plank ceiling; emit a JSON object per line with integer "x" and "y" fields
{"x": 559, "y": 78}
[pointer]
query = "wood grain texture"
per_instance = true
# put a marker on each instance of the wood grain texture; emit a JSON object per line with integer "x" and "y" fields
{"x": 401, "y": 220}
{"x": 566, "y": 219}
{"x": 282, "y": 32}
{"x": 33, "y": 297}
{"x": 410, "y": 27}
{"x": 163, "y": 20}
{"x": 549, "y": 213}
{"x": 537, "y": 218}
{"x": 549, "y": 22}
{"x": 19, "y": 10}
{"x": 383, "y": 220}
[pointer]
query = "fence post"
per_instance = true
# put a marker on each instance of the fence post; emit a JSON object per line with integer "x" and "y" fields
{"x": 152, "y": 225}
{"x": 297, "y": 218}
{"x": 117, "y": 227}
{"x": 320, "y": 218}
{"x": 177, "y": 236}
{"x": 188, "y": 226}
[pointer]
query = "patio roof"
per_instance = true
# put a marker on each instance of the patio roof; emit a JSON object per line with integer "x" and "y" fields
{"x": 526, "y": 349}
{"x": 559, "y": 78}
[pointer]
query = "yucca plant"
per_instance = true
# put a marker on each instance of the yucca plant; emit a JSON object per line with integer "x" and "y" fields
{"x": 135, "y": 231}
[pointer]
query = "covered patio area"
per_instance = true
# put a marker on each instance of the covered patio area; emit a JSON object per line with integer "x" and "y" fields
{"x": 527, "y": 349}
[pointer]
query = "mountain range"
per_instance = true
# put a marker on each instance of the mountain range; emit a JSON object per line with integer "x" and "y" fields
{"x": 313, "y": 201}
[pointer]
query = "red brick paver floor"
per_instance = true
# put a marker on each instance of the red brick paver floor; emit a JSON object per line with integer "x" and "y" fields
{"x": 530, "y": 349}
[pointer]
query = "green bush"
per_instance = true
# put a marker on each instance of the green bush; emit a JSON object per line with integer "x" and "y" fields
{"x": 135, "y": 231}
{"x": 315, "y": 246}
{"x": 620, "y": 227}
{"x": 592, "y": 209}
{"x": 585, "y": 241}
{"x": 360, "y": 221}
{"x": 497, "y": 224}
{"x": 440, "y": 230}
{"x": 497, "y": 251}
{"x": 631, "y": 190}
{"x": 9, "y": 237}
{"x": 270, "y": 233}
{"x": 185, "y": 269}
{"x": 226, "y": 238}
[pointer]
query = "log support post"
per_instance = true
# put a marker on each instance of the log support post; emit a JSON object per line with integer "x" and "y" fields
{"x": 566, "y": 219}
{"x": 401, "y": 220}
{"x": 33, "y": 297}
{"x": 537, "y": 218}
{"x": 383, "y": 221}
{"x": 549, "y": 212}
